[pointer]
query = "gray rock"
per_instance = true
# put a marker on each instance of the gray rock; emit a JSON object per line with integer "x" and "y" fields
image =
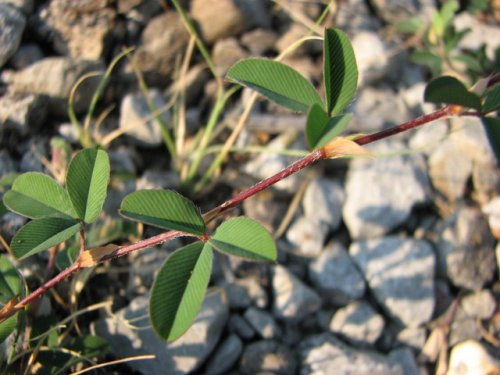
{"x": 355, "y": 16}
{"x": 241, "y": 327}
{"x": 79, "y": 30}
{"x": 225, "y": 356}
{"x": 192, "y": 85}
{"x": 163, "y": 39}
{"x": 137, "y": 121}
{"x": 358, "y": 322}
{"x": 238, "y": 16}
{"x": 466, "y": 249}
{"x": 323, "y": 200}
{"x": 242, "y": 293}
{"x": 471, "y": 139}
{"x": 308, "y": 236}
{"x": 262, "y": 322}
{"x": 372, "y": 56}
{"x": 267, "y": 356}
{"x": 393, "y": 11}
{"x": 227, "y": 52}
{"x": 492, "y": 210}
{"x": 25, "y": 6}
{"x": 6, "y": 163}
{"x": 31, "y": 160}
{"x": 264, "y": 208}
{"x": 480, "y": 305}
{"x": 294, "y": 33}
{"x": 26, "y": 55}
{"x": 259, "y": 41}
{"x": 479, "y": 33}
{"x": 158, "y": 179}
{"x": 486, "y": 181}
{"x": 464, "y": 327}
{"x": 336, "y": 276}
{"x": 22, "y": 112}
{"x": 268, "y": 164}
{"x": 413, "y": 337}
{"x": 382, "y": 106}
{"x": 400, "y": 273}
{"x": 293, "y": 300}
{"x": 449, "y": 170}
{"x": 324, "y": 354}
{"x": 429, "y": 138}
{"x": 12, "y": 23}
{"x": 382, "y": 192}
{"x": 180, "y": 357}
{"x": 55, "y": 78}
{"x": 405, "y": 360}
{"x": 140, "y": 277}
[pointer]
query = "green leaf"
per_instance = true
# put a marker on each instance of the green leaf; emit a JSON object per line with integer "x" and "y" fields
{"x": 492, "y": 127}
{"x": 320, "y": 129}
{"x": 244, "y": 238}
{"x": 340, "y": 71}
{"x": 428, "y": 59}
{"x": 492, "y": 102}
{"x": 276, "y": 81}
{"x": 450, "y": 90}
{"x": 10, "y": 285}
{"x": 41, "y": 234}
{"x": 410, "y": 25}
{"x": 36, "y": 195}
{"x": 87, "y": 182}
{"x": 165, "y": 209}
{"x": 179, "y": 289}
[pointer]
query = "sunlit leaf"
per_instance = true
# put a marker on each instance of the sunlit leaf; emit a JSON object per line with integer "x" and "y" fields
{"x": 492, "y": 101}
{"x": 450, "y": 90}
{"x": 320, "y": 129}
{"x": 10, "y": 287}
{"x": 87, "y": 182}
{"x": 244, "y": 238}
{"x": 37, "y": 195}
{"x": 179, "y": 289}
{"x": 492, "y": 127}
{"x": 340, "y": 71}
{"x": 276, "y": 81}
{"x": 41, "y": 234}
{"x": 165, "y": 209}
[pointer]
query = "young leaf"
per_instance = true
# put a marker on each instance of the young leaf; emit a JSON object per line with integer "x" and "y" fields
{"x": 165, "y": 209}
{"x": 340, "y": 71}
{"x": 450, "y": 90}
{"x": 36, "y": 195}
{"x": 492, "y": 127}
{"x": 87, "y": 182}
{"x": 244, "y": 238}
{"x": 320, "y": 129}
{"x": 492, "y": 102}
{"x": 10, "y": 287}
{"x": 41, "y": 234}
{"x": 428, "y": 59}
{"x": 276, "y": 81}
{"x": 179, "y": 289}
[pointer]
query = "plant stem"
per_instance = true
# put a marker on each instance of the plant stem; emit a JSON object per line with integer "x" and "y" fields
{"x": 298, "y": 165}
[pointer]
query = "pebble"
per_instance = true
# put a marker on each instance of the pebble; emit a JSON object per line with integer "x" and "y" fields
{"x": 479, "y": 33}
{"x": 263, "y": 323}
{"x": 81, "y": 31}
{"x": 323, "y": 200}
{"x": 358, "y": 322}
{"x": 259, "y": 41}
{"x": 412, "y": 337}
{"x": 136, "y": 119}
{"x": 6, "y": 163}
{"x": 26, "y": 55}
{"x": 243, "y": 293}
{"x": 466, "y": 249}
{"x": 471, "y": 358}
{"x": 469, "y": 136}
{"x": 372, "y": 57}
{"x": 227, "y": 52}
{"x": 355, "y": 17}
{"x": 400, "y": 273}
{"x": 486, "y": 181}
{"x": 381, "y": 192}
{"x": 324, "y": 354}
{"x": 336, "y": 276}
{"x": 428, "y": 139}
{"x": 226, "y": 355}
{"x": 293, "y": 300}
{"x": 12, "y": 23}
{"x": 163, "y": 39}
{"x": 25, "y": 6}
{"x": 55, "y": 78}
{"x": 492, "y": 210}
{"x": 181, "y": 356}
{"x": 267, "y": 356}
{"x": 480, "y": 304}
{"x": 307, "y": 235}
{"x": 241, "y": 327}
{"x": 22, "y": 112}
